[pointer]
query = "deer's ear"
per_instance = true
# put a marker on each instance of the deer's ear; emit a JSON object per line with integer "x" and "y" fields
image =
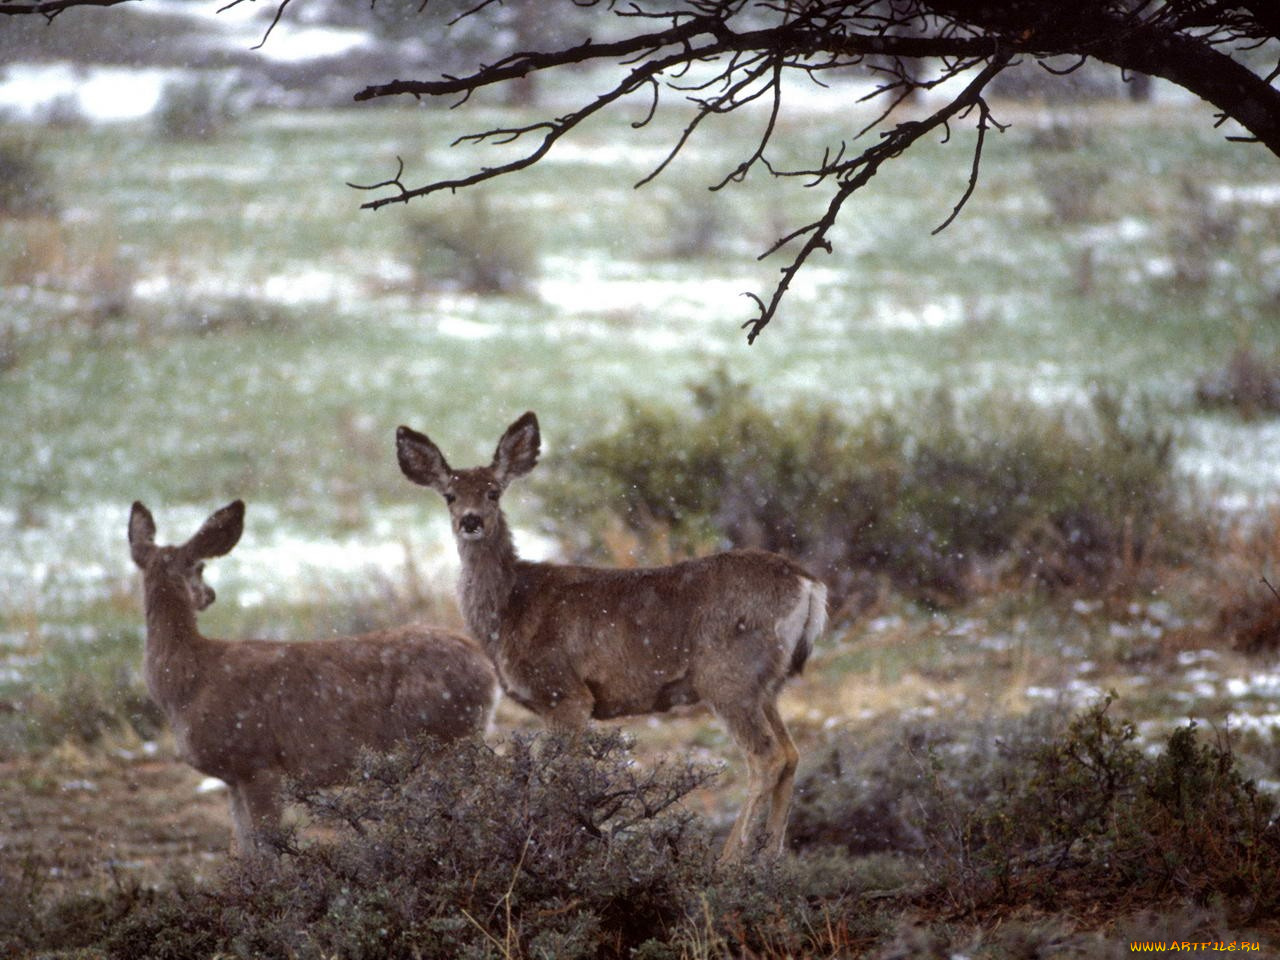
{"x": 219, "y": 533}
{"x": 142, "y": 533}
{"x": 517, "y": 451}
{"x": 421, "y": 460}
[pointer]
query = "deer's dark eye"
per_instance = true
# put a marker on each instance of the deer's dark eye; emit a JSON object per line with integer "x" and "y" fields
{"x": 493, "y": 494}
{"x": 450, "y": 498}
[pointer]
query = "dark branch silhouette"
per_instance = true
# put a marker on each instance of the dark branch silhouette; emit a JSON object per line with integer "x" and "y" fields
{"x": 51, "y": 8}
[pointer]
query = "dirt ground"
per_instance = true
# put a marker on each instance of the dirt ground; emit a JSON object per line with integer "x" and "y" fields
{"x": 77, "y": 820}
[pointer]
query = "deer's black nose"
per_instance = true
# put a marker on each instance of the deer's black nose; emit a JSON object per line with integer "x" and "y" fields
{"x": 471, "y": 523}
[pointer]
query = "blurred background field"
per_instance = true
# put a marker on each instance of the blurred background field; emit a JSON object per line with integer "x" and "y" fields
{"x": 1036, "y": 454}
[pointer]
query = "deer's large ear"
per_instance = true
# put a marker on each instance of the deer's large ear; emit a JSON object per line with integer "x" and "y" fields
{"x": 517, "y": 451}
{"x": 421, "y": 460}
{"x": 142, "y": 534}
{"x": 219, "y": 533}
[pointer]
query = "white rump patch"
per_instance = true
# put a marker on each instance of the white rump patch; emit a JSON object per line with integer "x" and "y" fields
{"x": 806, "y": 619}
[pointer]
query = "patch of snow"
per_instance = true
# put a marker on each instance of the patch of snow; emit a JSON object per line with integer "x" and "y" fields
{"x": 1187, "y": 658}
{"x": 1126, "y": 231}
{"x": 1076, "y": 692}
{"x": 595, "y": 294}
{"x": 244, "y": 27}
{"x": 1252, "y": 194}
{"x": 1201, "y": 675}
{"x": 892, "y": 315}
{"x": 1264, "y": 724}
{"x": 1244, "y": 459}
{"x": 884, "y": 624}
{"x": 298, "y": 288}
{"x": 98, "y": 93}
{"x": 299, "y": 44}
{"x": 461, "y": 328}
{"x": 1257, "y": 685}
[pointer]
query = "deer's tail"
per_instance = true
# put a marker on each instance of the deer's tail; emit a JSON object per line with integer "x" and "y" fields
{"x": 807, "y": 622}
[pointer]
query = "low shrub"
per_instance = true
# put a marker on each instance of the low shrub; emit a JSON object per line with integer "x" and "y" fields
{"x": 1240, "y": 592}
{"x": 34, "y": 924}
{"x": 696, "y": 223}
{"x": 471, "y": 248}
{"x": 1072, "y": 186}
{"x": 1247, "y": 384}
{"x": 1201, "y": 233}
{"x": 937, "y": 501}
{"x": 1090, "y": 811}
{"x": 25, "y": 190}
{"x": 1021, "y": 811}
{"x": 910, "y": 790}
{"x": 198, "y": 109}
{"x": 554, "y": 849}
{"x": 547, "y": 849}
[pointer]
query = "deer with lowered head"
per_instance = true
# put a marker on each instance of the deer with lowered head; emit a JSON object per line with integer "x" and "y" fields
{"x": 253, "y": 712}
{"x": 573, "y": 643}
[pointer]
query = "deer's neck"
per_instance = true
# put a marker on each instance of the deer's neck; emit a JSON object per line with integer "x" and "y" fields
{"x": 484, "y": 588}
{"x": 173, "y": 641}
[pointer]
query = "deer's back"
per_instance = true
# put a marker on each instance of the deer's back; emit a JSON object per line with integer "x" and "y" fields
{"x": 643, "y": 640}
{"x": 307, "y": 708}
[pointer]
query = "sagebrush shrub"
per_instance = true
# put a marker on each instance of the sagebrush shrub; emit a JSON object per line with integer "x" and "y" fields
{"x": 474, "y": 249}
{"x": 1015, "y": 811}
{"x": 1247, "y": 384}
{"x": 194, "y": 110}
{"x": 1090, "y": 810}
{"x": 549, "y": 848}
{"x": 933, "y": 497}
{"x": 25, "y": 184}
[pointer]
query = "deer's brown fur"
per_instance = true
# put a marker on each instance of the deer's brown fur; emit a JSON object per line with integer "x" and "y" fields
{"x": 252, "y": 712}
{"x": 573, "y": 643}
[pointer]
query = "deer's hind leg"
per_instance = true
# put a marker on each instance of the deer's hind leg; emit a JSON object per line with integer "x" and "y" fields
{"x": 780, "y": 800}
{"x": 770, "y": 773}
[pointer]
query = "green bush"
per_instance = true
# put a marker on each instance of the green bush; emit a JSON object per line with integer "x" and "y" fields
{"x": 1247, "y": 384}
{"x": 33, "y": 924}
{"x": 936, "y": 500}
{"x": 1023, "y": 810}
{"x": 25, "y": 189}
{"x": 550, "y": 849}
{"x": 896, "y": 792}
{"x": 470, "y": 247}
{"x": 546, "y": 850}
{"x": 194, "y": 110}
{"x": 1089, "y": 810}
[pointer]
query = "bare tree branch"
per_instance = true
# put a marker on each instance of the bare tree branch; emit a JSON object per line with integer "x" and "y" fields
{"x": 854, "y": 174}
{"x": 51, "y": 8}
